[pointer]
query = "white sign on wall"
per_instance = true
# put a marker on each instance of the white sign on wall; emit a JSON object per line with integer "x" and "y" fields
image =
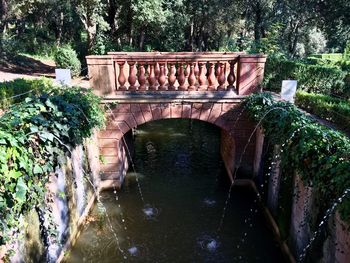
{"x": 63, "y": 76}
{"x": 288, "y": 90}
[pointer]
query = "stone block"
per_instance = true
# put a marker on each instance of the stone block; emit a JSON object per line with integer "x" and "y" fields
{"x": 186, "y": 111}
{"x": 205, "y": 112}
{"x": 138, "y": 116}
{"x": 156, "y": 111}
{"x": 176, "y": 111}
{"x": 147, "y": 112}
{"x": 215, "y": 112}
{"x": 196, "y": 110}
{"x": 110, "y": 134}
{"x": 166, "y": 111}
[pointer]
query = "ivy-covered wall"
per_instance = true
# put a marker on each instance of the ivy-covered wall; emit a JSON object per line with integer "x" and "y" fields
{"x": 69, "y": 196}
{"x": 43, "y": 167}
{"x": 311, "y": 166}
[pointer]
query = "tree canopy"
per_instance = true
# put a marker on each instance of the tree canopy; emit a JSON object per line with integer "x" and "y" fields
{"x": 293, "y": 27}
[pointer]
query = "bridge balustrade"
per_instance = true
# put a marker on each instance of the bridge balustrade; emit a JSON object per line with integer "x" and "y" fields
{"x": 121, "y": 72}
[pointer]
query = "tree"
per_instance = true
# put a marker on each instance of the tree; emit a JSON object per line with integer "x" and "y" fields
{"x": 91, "y": 14}
{"x": 147, "y": 15}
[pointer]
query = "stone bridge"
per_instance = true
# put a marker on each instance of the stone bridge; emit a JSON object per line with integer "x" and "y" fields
{"x": 140, "y": 87}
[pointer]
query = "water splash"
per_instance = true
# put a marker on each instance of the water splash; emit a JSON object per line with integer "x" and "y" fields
{"x": 150, "y": 212}
{"x": 209, "y": 202}
{"x": 328, "y": 213}
{"x": 208, "y": 243}
{"x": 212, "y": 245}
{"x": 133, "y": 251}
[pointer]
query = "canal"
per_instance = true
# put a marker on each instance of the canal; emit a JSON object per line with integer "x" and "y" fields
{"x": 184, "y": 186}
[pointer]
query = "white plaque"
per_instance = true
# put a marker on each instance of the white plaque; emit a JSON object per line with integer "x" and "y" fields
{"x": 63, "y": 76}
{"x": 289, "y": 88}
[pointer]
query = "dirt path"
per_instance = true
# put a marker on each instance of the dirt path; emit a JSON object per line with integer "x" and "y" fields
{"x": 19, "y": 66}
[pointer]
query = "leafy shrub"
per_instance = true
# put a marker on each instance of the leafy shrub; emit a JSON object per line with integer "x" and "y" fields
{"x": 66, "y": 57}
{"x": 17, "y": 90}
{"x": 320, "y": 155}
{"x": 329, "y": 56}
{"x": 327, "y": 107}
{"x": 34, "y": 134}
{"x": 311, "y": 78}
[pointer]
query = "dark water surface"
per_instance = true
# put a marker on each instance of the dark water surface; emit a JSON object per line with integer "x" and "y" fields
{"x": 182, "y": 178}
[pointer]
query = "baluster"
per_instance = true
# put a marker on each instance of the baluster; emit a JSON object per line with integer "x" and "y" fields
{"x": 202, "y": 78}
{"x": 222, "y": 77}
{"x": 161, "y": 78}
{"x": 217, "y": 70}
{"x": 181, "y": 77}
{"x": 196, "y": 69}
{"x": 156, "y": 70}
{"x": 211, "y": 76}
{"x": 121, "y": 77}
{"x": 187, "y": 70}
{"x": 172, "y": 77}
{"x": 151, "y": 78}
{"x": 192, "y": 78}
{"x": 231, "y": 77}
{"x": 141, "y": 76}
{"x": 132, "y": 76}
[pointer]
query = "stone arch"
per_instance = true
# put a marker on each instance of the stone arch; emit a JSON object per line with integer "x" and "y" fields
{"x": 235, "y": 127}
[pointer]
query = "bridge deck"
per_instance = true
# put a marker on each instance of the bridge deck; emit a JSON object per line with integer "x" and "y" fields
{"x": 173, "y": 96}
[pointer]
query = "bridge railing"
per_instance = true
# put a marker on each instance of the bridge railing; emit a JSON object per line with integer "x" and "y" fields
{"x": 119, "y": 72}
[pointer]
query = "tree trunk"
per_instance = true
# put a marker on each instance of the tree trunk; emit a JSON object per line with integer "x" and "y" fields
{"x": 192, "y": 36}
{"x": 258, "y": 22}
{"x": 3, "y": 13}
{"x": 142, "y": 40}
{"x": 91, "y": 30}
{"x": 59, "y": 29}
{"x": 295, "y": 42}
{"x": 112, "y": 12}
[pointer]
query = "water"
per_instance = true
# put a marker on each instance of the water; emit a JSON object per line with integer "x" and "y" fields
{"x": 185, "y": 186}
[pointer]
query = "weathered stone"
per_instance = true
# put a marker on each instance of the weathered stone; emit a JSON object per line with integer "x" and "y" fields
{"x": 176, "y": 111}
{"x": 186, "y": 111}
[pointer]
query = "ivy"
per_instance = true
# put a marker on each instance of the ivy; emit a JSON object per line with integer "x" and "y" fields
{"x": 34, "y": 134}
{"x": 321, "y": 155}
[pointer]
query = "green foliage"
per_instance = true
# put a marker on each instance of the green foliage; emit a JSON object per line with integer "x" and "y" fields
{"x": 327, "y": 107}
{"x": 10, "y": 92}
{"x": 66, "y": 57}
{"x": 320, "y": 155}
{"x": 329, "y": 56}
{"x": 346, "y": 54}
{"x": 311, "y": 78}
{"x": 34, "y": 135}
{"x": 269, "y": 44}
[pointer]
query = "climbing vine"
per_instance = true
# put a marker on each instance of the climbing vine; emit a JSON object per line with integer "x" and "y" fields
{"x": 319, "y": 154}
{"x": 34, "y": 135}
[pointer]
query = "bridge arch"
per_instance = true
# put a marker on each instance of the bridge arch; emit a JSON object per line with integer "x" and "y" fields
{"x": 235, "y": 127}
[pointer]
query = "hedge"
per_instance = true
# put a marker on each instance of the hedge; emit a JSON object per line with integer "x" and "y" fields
{"x": 329, "y": 56}
{"x": 311, "y": 78}
{"x": 67, "y": 58}
{"x": 332, "y": 109}
{"x": 17, "y": 90}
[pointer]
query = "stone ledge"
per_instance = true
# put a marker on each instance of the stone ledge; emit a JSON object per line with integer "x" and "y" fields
{"x": 172, "y": 96}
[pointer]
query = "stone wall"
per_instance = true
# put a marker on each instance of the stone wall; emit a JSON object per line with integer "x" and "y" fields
{"x": 328, "y": 243}
{"x": 228, "y": 151}
{"x": 52, "y": 228}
